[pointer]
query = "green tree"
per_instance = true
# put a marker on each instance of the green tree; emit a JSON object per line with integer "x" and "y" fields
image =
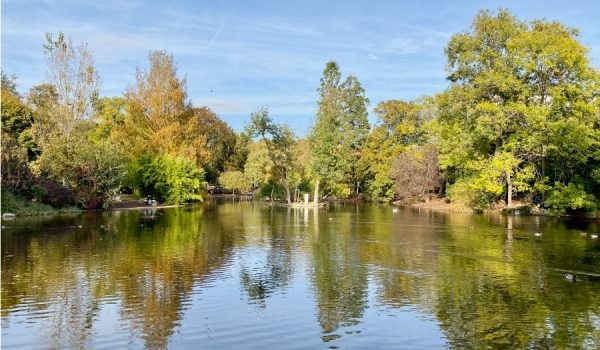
{"x": 279, "y": 141}
{"x": 234, "y": 180}
{"x": 520, "y": 110}
{"x": 258, "y": 167}
{"x": 340, "y": 130}
{"x": 401, "y": 124}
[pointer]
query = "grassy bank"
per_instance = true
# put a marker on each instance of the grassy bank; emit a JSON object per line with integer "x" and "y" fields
{"x": 27, "y": 207}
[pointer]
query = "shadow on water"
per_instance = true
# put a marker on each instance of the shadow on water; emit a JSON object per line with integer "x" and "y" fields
{"x": 235, "y": 273}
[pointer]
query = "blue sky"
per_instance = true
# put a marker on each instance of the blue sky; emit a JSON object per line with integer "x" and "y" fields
{"x": 267, "y": 53}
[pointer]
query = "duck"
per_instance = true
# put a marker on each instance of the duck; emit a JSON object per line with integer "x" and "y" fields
{"x": 80, "y": 226}
{"x": 583, "y": 234}
{"x": 394, "y": 209}
{"x": 571, "y": 277}
{"x": 538, "y": 234}
{"x": 594, "y": 236}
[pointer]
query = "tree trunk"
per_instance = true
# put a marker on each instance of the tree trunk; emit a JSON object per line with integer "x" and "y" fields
{"x": 509, "y": 185}
{"x": 287, "y": 194}
{"x": 316, "y": 198}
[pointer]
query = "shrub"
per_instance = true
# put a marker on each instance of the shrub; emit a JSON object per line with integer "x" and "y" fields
{"x": 169, "y": 179}
{"x": 570, "y": 198}
{"x": 464, "y": 193}
{"x": 55, "y": 194}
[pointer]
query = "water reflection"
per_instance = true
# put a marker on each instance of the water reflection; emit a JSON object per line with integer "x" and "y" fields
{"x": 260, "y": 276}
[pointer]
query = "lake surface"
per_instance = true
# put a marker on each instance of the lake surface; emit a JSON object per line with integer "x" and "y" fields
{"x": 237, "y": 275}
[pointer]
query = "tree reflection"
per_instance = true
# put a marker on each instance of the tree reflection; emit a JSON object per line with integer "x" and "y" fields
{"x": 150, "y": 264}
{"x": 486, "y": 280}
{"x": 340, "y": 279}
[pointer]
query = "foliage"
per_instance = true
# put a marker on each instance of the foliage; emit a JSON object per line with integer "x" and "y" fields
{"x": 8, "y": 83}
{"x": 521, "y": 103}
{"x": 416, "y": 172}
{"x": 258, "y": 167}
{"x": 279, "y": 142}
{"x": 16, "y": 115}
{"x": 54, "y": 194}
{"x": 156, "y": 110}
{"x": 465, "y": 194}
{"x": 570, "y": 198}
{"x": 110, "y": 111}
{"x": 234, "y": 180}
{"x": 400, "y": 124}
{"x": 169, "y": 179}
{"x": 340, "y": 130}
{"x": 96, "y": 172}
{"x": 159, "y": 119}
{"x": 63, "y": 107}
{"x": 16, "y": 175}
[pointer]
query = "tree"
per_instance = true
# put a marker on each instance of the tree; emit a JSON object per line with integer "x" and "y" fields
{"x": 415, "y": 172}
{"x": 234, "y": 180}
{"x": 339, "y": 132}
{"x": 17, "y": 117}
{"x": 401, "y": 124}
{"x": 160, "y": 120}
{"x": 157, "y": 109}
{"x": 520, "y": 93}
{"x": 63, "y": 106}
{"x": 279, "y": 141}
{"x": 208, "y": 141}
{"x": 96, "y": 173}
{"x": 71, "y": 72}
{"x": 258, "y": 168}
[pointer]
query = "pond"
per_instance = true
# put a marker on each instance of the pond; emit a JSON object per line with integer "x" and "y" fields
{"x": 237, "y": 275}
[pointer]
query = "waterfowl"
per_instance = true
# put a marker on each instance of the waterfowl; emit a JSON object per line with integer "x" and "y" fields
{"x": 583, "y": 233}
{"x": 394, "y": 209}
{"x": 594, "y": 236}
{"x": 570, "y": 277}
{"x": 538, "y": 234}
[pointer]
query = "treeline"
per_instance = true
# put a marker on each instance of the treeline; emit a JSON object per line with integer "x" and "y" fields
{"x": 520, "y": 120}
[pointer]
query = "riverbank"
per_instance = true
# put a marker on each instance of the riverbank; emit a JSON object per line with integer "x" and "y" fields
{"x": 441, "y": 204}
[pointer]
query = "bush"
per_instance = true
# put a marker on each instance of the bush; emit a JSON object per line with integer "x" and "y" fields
{"x": 464, "y": 193}
{"x": 169, "y": 179}
{"x": 54, "y": 194}
{"x": 571, "y": 198}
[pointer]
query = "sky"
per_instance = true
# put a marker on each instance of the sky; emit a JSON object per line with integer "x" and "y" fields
{"x": 242, "y": 55}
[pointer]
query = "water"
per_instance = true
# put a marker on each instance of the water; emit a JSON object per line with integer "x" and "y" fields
{"x": 244, "y": 275}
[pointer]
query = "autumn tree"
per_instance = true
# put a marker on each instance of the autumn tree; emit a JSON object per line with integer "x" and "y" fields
{"x": 157, "y": 109}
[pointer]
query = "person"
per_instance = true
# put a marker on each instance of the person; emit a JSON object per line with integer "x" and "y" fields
{"x": 149, "y": 200}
